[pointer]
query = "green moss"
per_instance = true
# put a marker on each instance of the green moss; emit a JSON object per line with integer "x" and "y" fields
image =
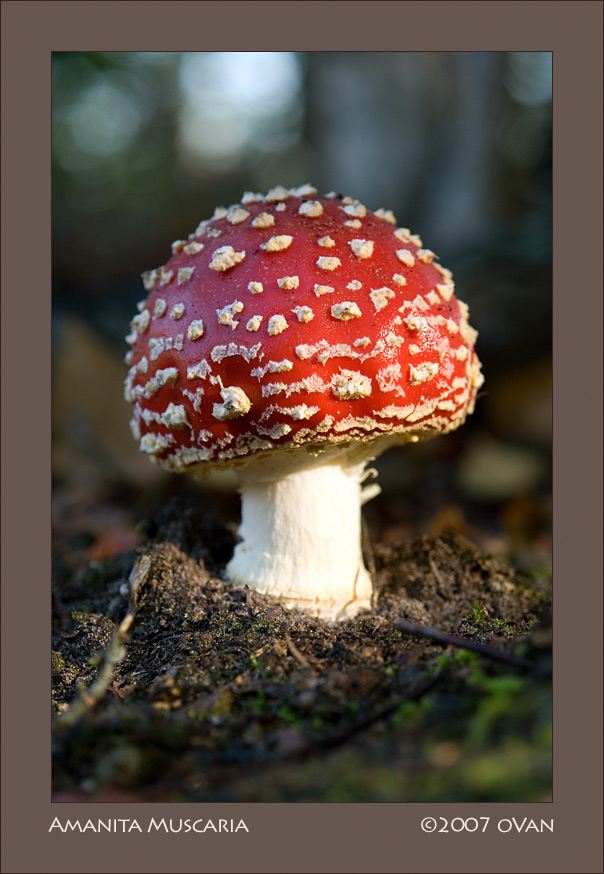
{"x": 258, "y": 705}
{"x": 288, "y": 715}
{"x": 58, "y": 662}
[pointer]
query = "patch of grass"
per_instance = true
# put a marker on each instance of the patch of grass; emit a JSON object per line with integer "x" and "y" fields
{"x": 484, "y": 623}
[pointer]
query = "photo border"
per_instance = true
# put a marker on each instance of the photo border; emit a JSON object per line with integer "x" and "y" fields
{"x": 356, "y": 837}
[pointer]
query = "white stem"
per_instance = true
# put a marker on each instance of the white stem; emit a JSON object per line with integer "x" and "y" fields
{"x": 301, "y": 537}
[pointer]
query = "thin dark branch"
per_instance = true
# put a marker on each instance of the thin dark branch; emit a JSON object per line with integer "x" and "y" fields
{"x": 445, "y": 639}
{"x": 338, "y": 738}
{"x": 297, "y": 654}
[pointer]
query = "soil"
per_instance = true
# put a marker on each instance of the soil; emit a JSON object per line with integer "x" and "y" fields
{"x": 215, "y": 693}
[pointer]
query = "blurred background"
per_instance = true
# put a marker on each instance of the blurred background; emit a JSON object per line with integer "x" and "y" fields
{"x": 457, "y": 144}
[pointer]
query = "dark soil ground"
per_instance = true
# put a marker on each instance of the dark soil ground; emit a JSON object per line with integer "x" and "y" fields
{"x": 214, "y": 693}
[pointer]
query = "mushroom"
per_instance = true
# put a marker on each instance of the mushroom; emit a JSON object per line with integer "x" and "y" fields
{"x": 295, "y": 337}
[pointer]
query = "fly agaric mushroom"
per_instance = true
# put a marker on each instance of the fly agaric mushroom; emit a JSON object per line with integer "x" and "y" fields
{"x": 295, "y": 338}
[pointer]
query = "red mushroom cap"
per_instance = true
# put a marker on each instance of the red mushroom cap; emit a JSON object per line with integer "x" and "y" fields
{"x": 296, "y": 320}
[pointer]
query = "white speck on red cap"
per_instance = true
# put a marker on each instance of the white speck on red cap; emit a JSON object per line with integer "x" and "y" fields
{"x": 195, "y": 331}
{"x": 254, "y": 323}
{"x": 201, "y": 370}
{"x": 140, "y": 323}
{"x": 406, "y": 257}
{"x": 160, "y": 308}
{"x": 263, "y": 220}
{"x": 444, "y": 272}
{"x": 387, "y": 215}
{"x": 303, "y": 313}
{"x": 184, "y": 274}
{"x": 277, "y": 324}
{"x": 335, "y": 350}
{"x": 388, "y": 378}
{"x": 225, "y": 257}
{"x": 235, "y": 404}
{"x": 346, "y": 310}
{"x": 193, "y": 248}
{"x": 420, "y": 303}
{"x": 305, "y": 190}
{"x": 155, "y": 443}
{"x": 350, "y": 384}
{"x": 156, "y": 347}
{"x": 149, "y": 278}
{"x": 311, "y": 209}
{"x": 306, "y": 350}
{"x": 355, "y": 210}
{"x": 380, "y": 297}
{"x": 445, "y": 291}
{"x": 251, "y": 197}
{"x": 276, "y": 194}
{"x": 219, "y": 352}
{"x": 362, "y": 248}
{"x": 272, "y": 367}
{"x": 301, "y": 411}
{"x": 162, "y": 377}
{"x": 443, "y": 347}
{"x": 417, "y": 323}
{"x": 276, "y": 432}
{"x": 235, "y": 215}
{"x": 226, "y": 315}
{"x": 277, "y": 243}
{"x": 288, "y": 282}
{"x": 328, "y": 263}
{"x": 393, "y": 339}
{"x": 175, "y": 416}
{"x": 422, "y": 373}
{"x": 393, "y": 411}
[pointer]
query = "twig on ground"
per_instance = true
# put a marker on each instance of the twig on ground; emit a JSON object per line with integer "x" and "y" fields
{"x": 296, "y": 652}
{"x": 445, "y": 639}
{"x": 88, "y": 697}
{"x": 435, "y": 571}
